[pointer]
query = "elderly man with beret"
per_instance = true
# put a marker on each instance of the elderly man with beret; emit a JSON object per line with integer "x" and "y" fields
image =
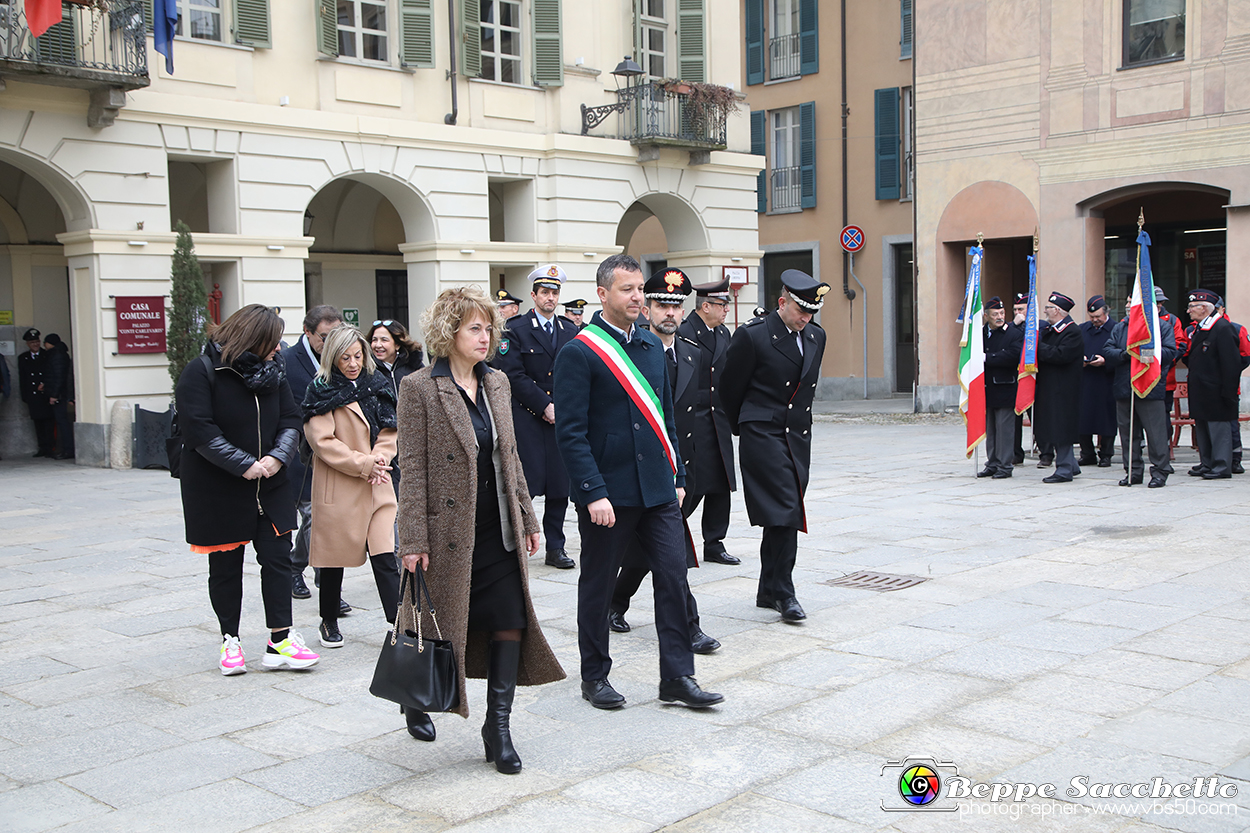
{"x": 1214, "y": 373}
{"x": 1057, "y": 410}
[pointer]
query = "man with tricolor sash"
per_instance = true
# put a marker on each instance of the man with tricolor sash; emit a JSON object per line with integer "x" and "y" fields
{"x": 617, "y": 437}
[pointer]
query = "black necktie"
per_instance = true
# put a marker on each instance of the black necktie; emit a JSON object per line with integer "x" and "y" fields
{"x": 672, "y": 367}
{"x": 551, "y": 334}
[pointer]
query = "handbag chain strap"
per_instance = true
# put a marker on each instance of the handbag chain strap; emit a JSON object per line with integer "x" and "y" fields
{"x": 410, "y": 600}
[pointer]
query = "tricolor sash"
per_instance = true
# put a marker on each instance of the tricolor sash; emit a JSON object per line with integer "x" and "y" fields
{"x": 631, "y": 379}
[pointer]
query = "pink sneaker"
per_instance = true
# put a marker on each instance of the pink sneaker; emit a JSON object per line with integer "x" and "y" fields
{"x": 232, "y": 657}
{"x": 291, "y": 653}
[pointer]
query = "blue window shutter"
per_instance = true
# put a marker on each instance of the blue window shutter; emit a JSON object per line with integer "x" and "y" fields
{"x": 807, "y": 153}
{"x": 887, "y": 142}
{"x": 906, "y": 25}
{"x": 759, "y": 134}
{"x": 809, "y": 43}
{"x": 755, "y": 41}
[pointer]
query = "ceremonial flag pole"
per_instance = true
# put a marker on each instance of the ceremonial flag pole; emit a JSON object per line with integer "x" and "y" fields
{"x": 1143, "y": 340}
{"x": 1026, "y": 384}
{"x": 972, "y": 355}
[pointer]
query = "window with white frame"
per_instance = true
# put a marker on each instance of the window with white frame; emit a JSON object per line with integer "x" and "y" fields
{"x": 787, "y": 184}
{"x": 909, "y": 166}
{"x": 363, "y": 30}
{"x": 200, "y": 19}
{"x": 654, "y": 40}
{"x": 501, "y": 41}
{"x": 783, "y": 42}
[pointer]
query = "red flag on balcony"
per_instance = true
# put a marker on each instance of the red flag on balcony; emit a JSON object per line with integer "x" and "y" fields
{"x": 41, "y": 15}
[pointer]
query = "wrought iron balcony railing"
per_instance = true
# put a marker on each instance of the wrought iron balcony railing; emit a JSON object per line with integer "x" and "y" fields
{"x": 100, "y": 45}
{"x": 659, "y": 114}
{"x": 783, "y": 57}
{"x": 787, "y": 189}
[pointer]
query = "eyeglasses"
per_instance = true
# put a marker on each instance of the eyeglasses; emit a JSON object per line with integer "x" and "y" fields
{"x": 715, "y": 302}
{"x": 388, "y": 322}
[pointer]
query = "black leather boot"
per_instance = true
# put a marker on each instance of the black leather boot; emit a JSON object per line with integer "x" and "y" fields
{"x": 505, "y": 657}
{"x": 420, "y": 726}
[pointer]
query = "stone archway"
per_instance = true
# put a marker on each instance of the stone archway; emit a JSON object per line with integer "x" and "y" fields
{"x": 663, "y": 229}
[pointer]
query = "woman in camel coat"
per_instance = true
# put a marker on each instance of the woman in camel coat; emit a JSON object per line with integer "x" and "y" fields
{"x": 474, "y": 551}
{"x": 349, "y": 413}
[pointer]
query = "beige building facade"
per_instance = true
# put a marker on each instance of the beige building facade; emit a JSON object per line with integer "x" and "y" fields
{"x": 325, "y": 152}
{"x": 1071, "y": 117}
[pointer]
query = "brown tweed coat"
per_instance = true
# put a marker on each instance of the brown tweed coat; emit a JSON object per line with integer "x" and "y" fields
{"x": 438, "y": 505}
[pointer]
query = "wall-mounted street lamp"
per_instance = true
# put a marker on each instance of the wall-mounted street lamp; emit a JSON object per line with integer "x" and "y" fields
{"x": 594, "y": 116}
{"x": 308, "y": 221}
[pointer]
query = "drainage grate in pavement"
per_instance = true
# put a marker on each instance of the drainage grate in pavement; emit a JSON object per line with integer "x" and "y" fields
{"x": 881, "y": 582}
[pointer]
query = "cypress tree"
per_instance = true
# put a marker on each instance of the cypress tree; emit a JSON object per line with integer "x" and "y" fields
{"x": 188, "y": 311}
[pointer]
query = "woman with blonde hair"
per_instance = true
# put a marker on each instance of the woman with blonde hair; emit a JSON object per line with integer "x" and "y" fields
{"x": 466, "y": 516}
{"x": 349, "y": 421}
{"x": 240, "y": 430}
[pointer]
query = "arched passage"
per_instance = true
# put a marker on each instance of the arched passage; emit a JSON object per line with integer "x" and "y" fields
{"x": 658, "y": 228}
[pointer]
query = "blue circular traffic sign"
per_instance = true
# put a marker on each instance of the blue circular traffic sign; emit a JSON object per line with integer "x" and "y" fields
{"x": 852, "y": 238}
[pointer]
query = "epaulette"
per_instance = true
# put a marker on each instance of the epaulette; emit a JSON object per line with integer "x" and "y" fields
{"x": 753, "y": 322}
{"x": 514, "y": 318}
{"x": 689, "y": 341}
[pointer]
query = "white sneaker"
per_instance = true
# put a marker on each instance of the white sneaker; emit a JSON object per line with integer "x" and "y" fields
{"x": 232, "y": 657}
{"x": 291, "y": 653}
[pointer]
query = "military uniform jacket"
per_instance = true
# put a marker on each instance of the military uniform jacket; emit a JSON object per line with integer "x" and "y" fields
{"x": 767, "y": 394}
{"x": 526, "y": 355}
{"x": 31, "y": 372}
{"x": 1214, "y": 372}
{"x": 1057, "y": 409}
{"x": 714, "y": 453}
{"x": 1002, "y": 365}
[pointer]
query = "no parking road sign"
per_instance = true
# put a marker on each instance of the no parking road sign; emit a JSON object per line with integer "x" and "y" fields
{"x": 852, "y": 239}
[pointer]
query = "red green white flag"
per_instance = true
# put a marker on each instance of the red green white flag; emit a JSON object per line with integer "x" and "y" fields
{"x": 972, "y": 357}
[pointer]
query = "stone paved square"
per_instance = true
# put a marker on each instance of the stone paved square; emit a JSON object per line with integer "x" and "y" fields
{"x": 1077, "y": 629}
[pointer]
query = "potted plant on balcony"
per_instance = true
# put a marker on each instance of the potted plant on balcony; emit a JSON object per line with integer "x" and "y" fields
{"x": 708, "y": 106}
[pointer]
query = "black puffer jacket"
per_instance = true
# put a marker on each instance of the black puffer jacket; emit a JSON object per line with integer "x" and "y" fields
{"x": 405, "y": 363}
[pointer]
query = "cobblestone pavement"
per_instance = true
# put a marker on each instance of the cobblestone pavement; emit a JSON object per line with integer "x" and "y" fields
{"x": 1078, "y": 630}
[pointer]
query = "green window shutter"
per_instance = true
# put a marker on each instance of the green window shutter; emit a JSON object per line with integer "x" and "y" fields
{"x": 691, "y": 54}
{"x": 471, "y": 38}
{"x": 251, "y": 23}
{"x": 327, "y": 28}
{"x": 807, "y": 154}
{"x": 759, "y": 134}
{"x": 755, "y": 41}
{"x": 809, "y": 42}
{"x": 905, "y": 37}
{"x": 887, "y": 140}
{"x": 637, "y": 56}
{"x": 548, "y": 45}
{"x": 58, "y": 45}
{"x": 147, "y": 15}
{"x": 416, "y": 41}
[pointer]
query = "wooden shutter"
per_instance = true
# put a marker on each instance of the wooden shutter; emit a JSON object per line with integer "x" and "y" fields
{"x": 755, "y": 41}
{"x": 691, "y": 53}
{"x": 809, "y": 41}
{"x": 327, "y": 28}
{"x": 471, "y": 38}
{"x": 807, "y": 154}
{"x": 548, "y": 45}
{"x": 759, "y": 134}
{"x": 887, "y": 139}
{"x": 148, "y": 16}
{"x": 416, "y": 33}
{"x": 251, "y": 23}
{"x": 905, "y": 36}
{"x": 58, "y": 45}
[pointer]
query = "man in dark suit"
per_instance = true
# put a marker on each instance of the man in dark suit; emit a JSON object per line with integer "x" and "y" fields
{"x": 1057, "y": 405}
{"x": 714, "y": 450}
{"x": 666, "y": 292}
{"x": 527, "y": 353}
{"x": 617, "y": 436}
{"x": 1003, "y": 342}
{"x": 774, "y": 363}
{"x": 31, "y": 370}
{"x": 301, "y": 363}
{"x": 1214, "y": 374}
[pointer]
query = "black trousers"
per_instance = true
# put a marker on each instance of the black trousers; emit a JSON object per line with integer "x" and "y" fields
{"x": 627, "y": 584}
{"x": 1149, "y": 416}
{"x": 1215, "y": 445}
{"x": 1018, "y": 450}
{"x": 225, "y": 579}
{"x": 45, "y": 434}
{"x": 64, "y": 427}
{"x": 1106, "y": 447}
{"x": 660, "y": 533}
{"x": 778, "y": 550}
{"x": 385, "y": 576}
{"x": 998, "y": 438}
{"x": 299, "y": 552}
{"x": 715, "y": 518}
{"x": 554, "y": 509}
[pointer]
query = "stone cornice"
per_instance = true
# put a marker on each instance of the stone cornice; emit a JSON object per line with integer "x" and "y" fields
{"x": 1158, "y": 154}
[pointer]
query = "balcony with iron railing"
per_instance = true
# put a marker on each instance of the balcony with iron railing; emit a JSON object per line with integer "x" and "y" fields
{"x": 787, "y": 189}
{"x": 667, "y": 114}
{"x": 99, "y": 45}
{"x": 784, "y": 59}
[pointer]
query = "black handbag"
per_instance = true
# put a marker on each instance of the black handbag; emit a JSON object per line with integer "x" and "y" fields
{"x": 414, "y": 671}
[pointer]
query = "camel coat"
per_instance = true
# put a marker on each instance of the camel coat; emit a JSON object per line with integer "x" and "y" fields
{"x": 438, "y": 508}
{"x": 347, "y": 512}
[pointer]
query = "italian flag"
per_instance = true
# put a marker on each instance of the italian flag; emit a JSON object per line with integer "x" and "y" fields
{"x": 972, "y": 357}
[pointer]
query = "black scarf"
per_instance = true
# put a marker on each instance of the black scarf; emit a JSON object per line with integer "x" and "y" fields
{"x": 372, "y": 392}
{"x": 259, "y": 376}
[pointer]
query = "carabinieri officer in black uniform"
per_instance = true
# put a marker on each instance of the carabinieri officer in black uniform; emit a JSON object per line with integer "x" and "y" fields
{"x": 714, "y": 451}
{"x": 774, "y": 363}
{"x": 527, "y": 353}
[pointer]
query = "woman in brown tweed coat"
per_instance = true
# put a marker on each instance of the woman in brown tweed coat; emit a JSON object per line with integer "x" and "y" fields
{"x": 465, "y": 514}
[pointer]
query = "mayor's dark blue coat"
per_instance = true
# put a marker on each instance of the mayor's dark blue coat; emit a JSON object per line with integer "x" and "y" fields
{"x": 607, "y": 446}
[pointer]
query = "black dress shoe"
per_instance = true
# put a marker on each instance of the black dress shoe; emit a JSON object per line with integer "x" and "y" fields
{"x": 1198, "y": 471}
{"x": 1157, "y": 483}
{"x": 1044, "y": 463}
{"x": 686, "y": 691}
{"x": 617, "y": 623}
{"x": 557, "y": 559}
{"x": 1104, "y": 464}
{"x": 1057, "y": 478}
{"x": 790, "y": 610}
{"x": 1018, "y": 460}
{"x": 721, "y": 557}
{"x": 1002, "y": 474}
{"x": 1210, "y": 475}
{"x": 64, "y": 455}
{"x": 701, "y": 643}
{"x": 1134, "y": 480}
{"x": 1086, "y": 461}
{"x": 601, "y": 694}
{"x": 420, "y": 726}
{"x": 299, "y": 590}
{"x": 344, "y": 607}
{"x": 986, "y": 472}
{"x": 1238, "y": 468}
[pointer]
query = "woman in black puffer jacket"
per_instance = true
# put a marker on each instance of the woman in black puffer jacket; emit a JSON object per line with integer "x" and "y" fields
{"x": 397, "y": 354}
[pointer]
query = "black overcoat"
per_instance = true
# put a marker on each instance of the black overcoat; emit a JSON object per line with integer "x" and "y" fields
{"x": 1002, "y": 365}
{"x": 767, "y": 391}
{"x": 1057, "y": 409}
{"x": 714, "y": 455}
{"x": 300, "y": 371}
{"x": 1214, "y": 372}
{"x": 218, "y": 505}
{"x": 31, "y": 373}
{"x": 527, "y": 356}
{"x": 1097, "y": 399}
